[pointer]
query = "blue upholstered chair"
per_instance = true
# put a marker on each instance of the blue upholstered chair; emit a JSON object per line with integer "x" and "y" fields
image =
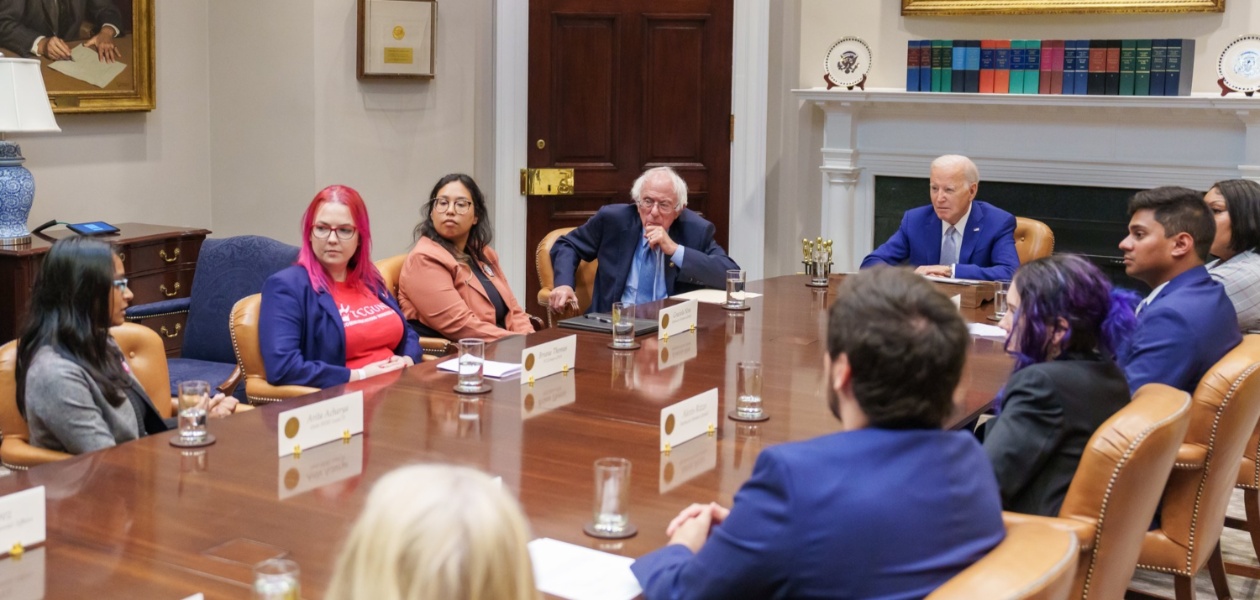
{"x": 227, "y": 270}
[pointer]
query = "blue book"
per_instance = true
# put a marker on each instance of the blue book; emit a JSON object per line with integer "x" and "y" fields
{"x": 958, "y": 82}
{"x": 1019, "y": 56}
{"x": 972, "y": 80}
{"x": 1179, "y": 68}
{"x": 912, "y": 65}
{"x": 1081, "y": 87}
{"x": 1069, "y": 67}
{"x": 1159, "y": 62}
{"x": 1032, "y": 66}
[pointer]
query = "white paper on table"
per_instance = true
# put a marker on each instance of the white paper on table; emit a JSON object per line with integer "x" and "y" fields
{"x": 709, "y": 296}
{"x": 85, "y": 65}
{"x": 985, "y": 330}
{"x": 954, "y": 280}
{"x": 490, "y": 368}
{"x": 578, "y": 573}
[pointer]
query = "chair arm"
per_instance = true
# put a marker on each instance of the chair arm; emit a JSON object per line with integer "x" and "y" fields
{"x": 228, "y": 387}
{"x": 435, "y": 346}
{"x": 544, "y": 296}
{"x": 538, "y": 323}
{"x": 1190, "y": 457}
{"x": 258, "y": 391}
{"x": 1083, "y": 530}
{"x": 154, "y": 309}
{"x": 17, "y": 453}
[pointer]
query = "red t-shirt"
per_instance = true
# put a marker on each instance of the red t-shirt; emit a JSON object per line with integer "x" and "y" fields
{"x": 373, "y": 329}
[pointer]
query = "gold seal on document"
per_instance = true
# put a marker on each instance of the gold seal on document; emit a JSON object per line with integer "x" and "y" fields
{"x": 399, "y": 32}
{"x": 664, "y": 321}
{"x": 291, "y": 427}
{"x": 529, "y": 362}
{"x": 669, "y": 424}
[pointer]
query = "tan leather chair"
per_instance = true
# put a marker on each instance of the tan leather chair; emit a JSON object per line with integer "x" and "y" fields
{"x": 391, "y": 271}
{"x": 1249, "y": 483}
{"x": 1036, "y": 561}
{"x": 146, "y": 355}
{"x": 1224, "y": 414}
{"x": 584, "y": 279}
{"x": 1033, "y": 239}
{"x": 1116, "y": 488}
{"x": 244, "y": 327}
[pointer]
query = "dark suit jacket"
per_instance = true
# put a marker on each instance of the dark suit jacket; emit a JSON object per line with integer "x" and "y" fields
{"x": 1189, "y": 326}
{"x": 1049, "y": 412}
{"x": 612, "y": 236}
{"x": 872, "y": 513}
{"x": 301, "y": 336}
{"x": 23, "y": 21}
{"x": 988, "y": 245}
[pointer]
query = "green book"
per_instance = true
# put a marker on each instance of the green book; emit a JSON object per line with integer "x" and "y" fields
{"x": 938, "y": 49}
{"x": 1141, "y": 67}
{"x": 1128, "y": 66}
{"x": 1032, "y": 66}
{"x": 947, "y": 65}
{"x": 1019, "y": 58}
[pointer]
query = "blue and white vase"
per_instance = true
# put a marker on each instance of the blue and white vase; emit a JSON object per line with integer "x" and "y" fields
{"x": 17, "y": 194}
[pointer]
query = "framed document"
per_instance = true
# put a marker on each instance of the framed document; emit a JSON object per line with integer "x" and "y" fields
{"x": 396, "y": 39}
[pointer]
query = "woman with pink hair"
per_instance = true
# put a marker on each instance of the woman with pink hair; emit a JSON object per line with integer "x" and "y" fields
{"x": 329, "y": 319}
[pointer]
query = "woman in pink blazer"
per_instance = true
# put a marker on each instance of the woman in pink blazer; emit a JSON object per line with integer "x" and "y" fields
{"x": 451, "y": 284}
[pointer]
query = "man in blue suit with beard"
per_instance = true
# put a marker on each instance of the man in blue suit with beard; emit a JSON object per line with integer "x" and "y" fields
{"x": 955, "y": 236}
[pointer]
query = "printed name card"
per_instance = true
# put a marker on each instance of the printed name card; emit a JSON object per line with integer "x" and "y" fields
{"x": 676, "y": 351}
{"x": 319, "y": 467}
{"x": 547, "y": 395}
{"x": 687, "y": 461}
{"x": 309, "y": 426}
{"x": 22, "y": 519}
{"x": 688, "y": 419}
{"x": 678, "y": 318}
{"x": 548, "y": 359}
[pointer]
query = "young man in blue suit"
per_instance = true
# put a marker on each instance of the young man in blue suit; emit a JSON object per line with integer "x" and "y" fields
{"x": 1187, "y": 323}
{"x": 957, "y": 236}
{"x": 890, "y": 507}
{"x": 653, "y": 248}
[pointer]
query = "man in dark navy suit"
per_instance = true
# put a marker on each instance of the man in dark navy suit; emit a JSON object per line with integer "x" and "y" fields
{"x": 653, "y": 248}
{"x": 954, "y": 237}
{"x": 1187, "y": 323}
{"x": 45, "y": 27}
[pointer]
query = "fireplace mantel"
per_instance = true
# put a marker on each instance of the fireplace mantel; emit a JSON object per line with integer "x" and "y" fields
{"x": 1107, "y": 141}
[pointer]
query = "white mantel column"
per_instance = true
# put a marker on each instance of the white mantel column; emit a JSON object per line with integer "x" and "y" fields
{"x": 842, "y": 219}
{"x": 1250, "y": 169}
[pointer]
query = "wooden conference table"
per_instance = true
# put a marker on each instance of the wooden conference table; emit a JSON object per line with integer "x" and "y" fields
{"x": 148, "y": 517}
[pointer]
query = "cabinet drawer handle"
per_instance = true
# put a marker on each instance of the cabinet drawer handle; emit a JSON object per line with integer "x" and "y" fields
{"x": 162, "y": 253}
{"x": 171, "y": 294}
{"x": 169, "y": 334}
{"x": 122, "y": 256}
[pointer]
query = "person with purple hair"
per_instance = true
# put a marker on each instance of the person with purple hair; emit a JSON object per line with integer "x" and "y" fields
{"x": 329, "y": 319}
{"x": 1064, "y": 323}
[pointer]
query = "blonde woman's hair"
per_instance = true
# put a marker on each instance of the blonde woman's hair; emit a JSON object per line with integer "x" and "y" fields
{"x": 436, "y": 532}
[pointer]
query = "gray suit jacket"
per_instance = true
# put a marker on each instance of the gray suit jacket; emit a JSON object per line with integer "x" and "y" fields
{"x": 24, "y": 21}
{"x": 67, "y": 411}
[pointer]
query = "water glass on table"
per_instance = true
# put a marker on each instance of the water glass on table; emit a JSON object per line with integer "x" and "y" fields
{"x": 277, "y": 579}
{"x": 735, "y": 296}
{"x": 472, "y": 358}
{"x": 612, "y": 500}
{"x": 194, "y": 407}
{"x": 623, "y": 326}
{"x": 748, "y": 392}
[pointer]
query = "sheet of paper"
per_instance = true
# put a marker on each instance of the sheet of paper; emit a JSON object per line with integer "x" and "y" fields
{"x": 548, "y": 358}
{"x": 400, "y": 36}
{"x": 710, "y": 296}
{"x": 489, "y": 368}
{"x": 678, "y": 318}
{"x": 319, "y": 423}
{"x": 22, "y": 518}
{"x": 576, "y": 573}
{"x": 985, "y": 330}
{"x": 688, "y": 419}
{"x": 85, "y": 65}
{"x": 954, "y": 280}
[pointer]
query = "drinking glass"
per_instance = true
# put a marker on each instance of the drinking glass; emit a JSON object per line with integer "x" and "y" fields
{"x": 194, "y": 404}
{"x": 821, "y": 270}
{"x": 277, "y": 579}
{"x": 999, "y": 304}
{"x": 748, "y": 390}
{"x": 472, "y": 358}
{"x": 612, "y": 496}
{"x": 735, "y": 289}
{"x": 623, "y": 325}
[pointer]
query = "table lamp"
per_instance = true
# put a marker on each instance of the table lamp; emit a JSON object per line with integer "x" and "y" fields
{"x": 23, "y": 107}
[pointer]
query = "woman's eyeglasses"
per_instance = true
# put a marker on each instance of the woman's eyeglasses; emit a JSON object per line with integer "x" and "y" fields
{"x": 322, "y": 231}
{"x": 120, "y": 284}
{"x": 461, "y": 205}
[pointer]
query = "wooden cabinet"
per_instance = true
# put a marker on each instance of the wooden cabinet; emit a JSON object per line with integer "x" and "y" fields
{"x": 159, "y": 261}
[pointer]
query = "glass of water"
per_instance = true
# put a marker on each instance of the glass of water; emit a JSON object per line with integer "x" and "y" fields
{"x": 999, "y": 305}
{"x": 194, "y": 405}
{"x": 748, "y": 391}
{"x": 612, "y": 499}
{"x": 277, "y": 579}
{"x": 472, "y": 358}
{"x": 623, "y": 325}
{"x": 821, "y": 270}
{"x": 735, "y": 289}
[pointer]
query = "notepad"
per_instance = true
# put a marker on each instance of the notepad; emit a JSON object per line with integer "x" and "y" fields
{"x": 577, "y": 573}
{"x": 490, "y": 368}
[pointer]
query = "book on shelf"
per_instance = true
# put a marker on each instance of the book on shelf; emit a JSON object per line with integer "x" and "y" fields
{"x": 1057, "y": 67}
{"x": 987, "y": 50}
{"x": 1159, "y": 62}
{"x": 958, "y": 82}
{"x": 1069, "y": 68}
{"x": 1142, "y": 67}
{"x": 1047, "y": 64}
{"x": 1081, "y": 86}
{"x": 947, "y": 66}
{"x": 971, "y": 82}
{"x": 1113, "y": 68}
{"x": 1002, "y": 67}
{"x": 1097, "y": 68}
{"x": 1128, "y": 66}
{"x": 912, "y": 65}
{"x": 938, "y": 50}
{"x": 1179, "y": 68}
{"x": 1032, "y": 66}
{"x": 1019, "y": 58}
{"x": 925, "y": 65}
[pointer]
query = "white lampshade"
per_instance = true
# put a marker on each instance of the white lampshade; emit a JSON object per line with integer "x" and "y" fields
{"x": 23, "y": 99}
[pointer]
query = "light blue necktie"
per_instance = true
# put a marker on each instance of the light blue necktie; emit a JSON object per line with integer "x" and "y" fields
{"x": 949, "y": 249}
{"x": 646, "y": 290}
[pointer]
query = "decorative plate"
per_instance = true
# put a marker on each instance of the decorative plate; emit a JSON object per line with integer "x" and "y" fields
{"x": 1239, "y": 65}
{"x": 848, "y": 61}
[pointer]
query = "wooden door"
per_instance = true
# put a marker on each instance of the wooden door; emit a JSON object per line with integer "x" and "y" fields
{"x": 620, "y": 86}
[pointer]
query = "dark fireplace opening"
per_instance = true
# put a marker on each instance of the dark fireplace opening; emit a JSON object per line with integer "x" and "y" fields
{"x": 1090, "y": 221}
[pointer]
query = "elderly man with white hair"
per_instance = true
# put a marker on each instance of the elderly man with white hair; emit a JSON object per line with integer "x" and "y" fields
{"x": 956, "y": 236}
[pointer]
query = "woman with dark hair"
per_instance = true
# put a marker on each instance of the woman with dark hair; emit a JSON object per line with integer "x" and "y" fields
{"x": 73, "y": 384}
{"x": 1236, "y": 205}
{"x": 329, "y": 319}
{"x": 451, "y": 285}
{"x": 1064, "y": 323}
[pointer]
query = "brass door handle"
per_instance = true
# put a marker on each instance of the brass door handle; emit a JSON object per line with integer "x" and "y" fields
{"x": 169, "y": 294}
{"x": 162, "y": 253}
{"x": 171, "y": 335}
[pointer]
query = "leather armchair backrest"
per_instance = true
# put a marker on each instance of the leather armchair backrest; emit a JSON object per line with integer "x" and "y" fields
{"x": 1033, "y": 239}
{"x": 391, "y": 271}
{"x": 144, "y": 351}
{"x": 1036, "y": 561}
{"x": 1117, "y": 486}
{"x": 584, "y": 279}
{"x": 244, "y": 327}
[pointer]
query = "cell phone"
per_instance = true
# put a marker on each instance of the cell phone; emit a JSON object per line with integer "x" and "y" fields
{"x": 92, "y": 228}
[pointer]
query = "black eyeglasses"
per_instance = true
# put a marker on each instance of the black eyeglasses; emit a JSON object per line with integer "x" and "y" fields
{"x": 322, "y": 232}
{"x": 461, "y": 205}
{"x": 120, "y": 284}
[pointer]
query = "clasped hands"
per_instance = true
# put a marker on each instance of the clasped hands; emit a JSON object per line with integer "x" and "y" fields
{"x": 382, "y": 367}
{"x": 56, "y": 48}
{"x": 691, "y": 527}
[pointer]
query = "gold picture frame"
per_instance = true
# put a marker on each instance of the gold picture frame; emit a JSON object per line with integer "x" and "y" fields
{"x": 133, "y": 89}
{"x": 396, "y": 39}
{"x": 910, "y": 8}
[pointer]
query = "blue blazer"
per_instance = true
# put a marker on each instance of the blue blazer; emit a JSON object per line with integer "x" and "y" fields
{"x": 613, "y": 234}
{"x": 988, "y": 246}
{"x": 1181, "y": 333}
{"x": 872, "y": 513}
{"x": 301, "y": 336}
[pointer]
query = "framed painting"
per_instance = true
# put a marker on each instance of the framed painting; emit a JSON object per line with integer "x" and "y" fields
{"x": 395, "y": 39}
{"x": 96, "y": 55}
{"x": 1031, "y": 7}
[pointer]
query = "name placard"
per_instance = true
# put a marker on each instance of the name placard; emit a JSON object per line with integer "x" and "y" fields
{"x": 690, "y": 418}
{"x": 319, "y": 467}
{"x": 23, "y": 579}
{"x": 687, "y": 461}
{"x": 547, "y": 395}
{"x": 22, "y": 519}
{"x": 675, "y": 351}
{"x": 304, "y": 428}
{"x": 677, "y": 318}
{"x": 548, "y": 358}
